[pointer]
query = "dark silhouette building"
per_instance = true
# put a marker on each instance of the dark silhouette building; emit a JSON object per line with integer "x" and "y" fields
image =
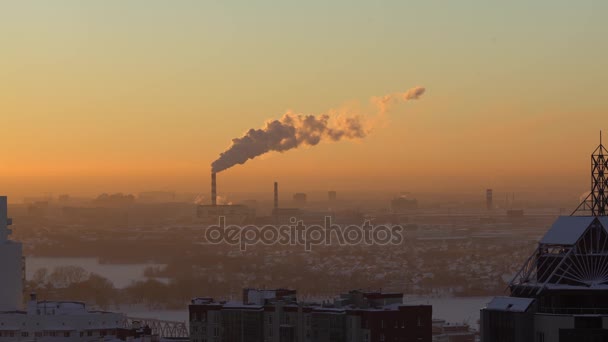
{"x": 276, "y": 316}
{"x": 561, "y": 292}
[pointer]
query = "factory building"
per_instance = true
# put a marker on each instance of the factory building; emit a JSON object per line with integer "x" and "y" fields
{"x": 233, "y": 213}
{"x": 276, "y": 315}
{"x": 299, "y": 199}
{"x": 560, "y": 293}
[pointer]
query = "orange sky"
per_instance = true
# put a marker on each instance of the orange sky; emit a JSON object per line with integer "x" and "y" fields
{"x": 112, "y": 96}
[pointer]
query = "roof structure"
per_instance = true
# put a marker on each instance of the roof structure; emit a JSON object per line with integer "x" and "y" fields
{"x": 572, "y": 255}
{"x": 596, "y": 203}
{"x": 513, "y": 304}
{"x": 567, "y": 230}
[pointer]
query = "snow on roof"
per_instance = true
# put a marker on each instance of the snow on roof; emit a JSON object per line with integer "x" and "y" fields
{"x": 567, "y": 230}
{"x": 513, "y": 304}
{"x": 602, "y": 287}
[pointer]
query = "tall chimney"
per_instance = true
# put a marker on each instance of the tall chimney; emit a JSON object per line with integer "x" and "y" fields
{"x": 276, "y": 195}
{"x": 489, "y": 200}
{"x": 213, "y": 190}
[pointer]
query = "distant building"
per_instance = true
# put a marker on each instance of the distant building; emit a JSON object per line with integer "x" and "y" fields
{"x": 512, "y": 213}
{"x": 114, "y": 200}
{"x": 445, "y": 332}
{"x": 275, "y": 315}
{"x": 332, "y": 196}
{"x": 156, "y": 196}
{"x": 260, "y": 297}
{"x": 299, "y": 199}
{"x": 403, "y": 204}
{"x": 285, "y": 215}
{"x": 234, "y": 214}
{"x": 489, "y": 199}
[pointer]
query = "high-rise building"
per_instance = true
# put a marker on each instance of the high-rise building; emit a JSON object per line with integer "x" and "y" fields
{"x": 50, "y": 320}
{"x": 276, "y": 316}
{"x": 11, "y": 264}
{"x": 561, "y": 292}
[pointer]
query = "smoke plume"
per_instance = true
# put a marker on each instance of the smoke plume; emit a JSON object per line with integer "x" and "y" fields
{"x": 293, "y": 130}
{"x": 384, "y": 103}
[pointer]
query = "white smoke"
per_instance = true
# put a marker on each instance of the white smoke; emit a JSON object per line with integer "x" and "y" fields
{"x": 293, "y": 130}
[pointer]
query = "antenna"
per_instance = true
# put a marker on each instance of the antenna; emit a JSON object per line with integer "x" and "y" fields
{"x": 597, "y": 200}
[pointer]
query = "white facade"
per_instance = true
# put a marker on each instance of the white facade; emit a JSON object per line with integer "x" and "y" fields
{"x": 11, "y": 264}
{"x": 59, "y": 321}
{"x": 43, "y": 321}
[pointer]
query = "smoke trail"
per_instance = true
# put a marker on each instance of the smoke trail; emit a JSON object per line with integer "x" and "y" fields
{"x": 293, "y": 130}
{"x": 384, "y": 103}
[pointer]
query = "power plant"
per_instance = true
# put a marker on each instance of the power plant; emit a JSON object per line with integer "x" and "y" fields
{"x": 213, "y": 189}
{"x": 233, "y": 213}
{"x": 489, "y": 199}
{"x": 276, "y": 196}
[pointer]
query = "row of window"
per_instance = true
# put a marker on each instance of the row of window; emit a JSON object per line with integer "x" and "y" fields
{"x": 57, "y": 333}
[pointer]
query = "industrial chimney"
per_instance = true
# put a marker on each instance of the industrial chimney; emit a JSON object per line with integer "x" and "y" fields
{"x": 276, "y": 195}
{"x": 489, "y": 199}
{"x": 213, "y": 190}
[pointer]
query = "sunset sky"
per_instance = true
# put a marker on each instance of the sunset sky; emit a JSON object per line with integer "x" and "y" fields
{"x": 108, "y": 96}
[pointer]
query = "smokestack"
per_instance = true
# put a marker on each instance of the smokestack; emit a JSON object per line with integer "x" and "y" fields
{"x": 489, "y": 199}
{"x": 213, "y": 190}
{"x": 276, "y": 195}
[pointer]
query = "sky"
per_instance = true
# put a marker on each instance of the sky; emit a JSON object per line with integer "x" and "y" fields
{"x": 129, "y": 96}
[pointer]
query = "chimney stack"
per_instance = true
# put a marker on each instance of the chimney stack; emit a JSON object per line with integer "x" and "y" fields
{"x": 489, "y": 200}
{"x": 276, "y": 195}
{"x": 213, "y": 190}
